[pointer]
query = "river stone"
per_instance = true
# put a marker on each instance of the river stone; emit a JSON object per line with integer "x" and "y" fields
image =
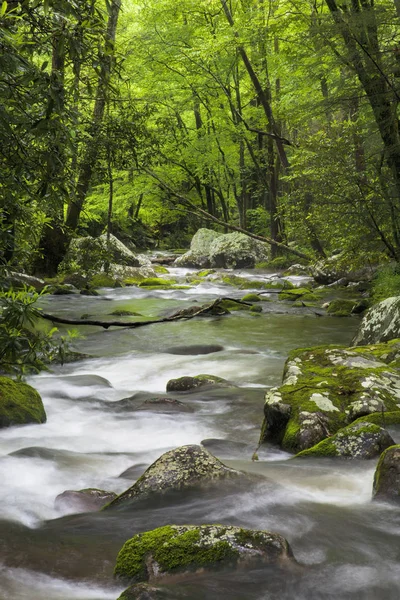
{"x": 387, "y": 476}
{"x": 381, "y": 323}
{"x": 88, "y": 500}
{"x": 134, "y": 472}
{"x": 359, "y": 440}
{"x": 180, "y": 549}
{"x": 195, "y": 349}
{"x": 165, "y": 405}
{"x": 20, "y": 404}
{"x": 237, "y": 251}
{"x": 181, "y": 468}
{"x": 186, "y": 383}
{"x": 228, "y": 449}
{"x": 325, "y": 389}
{"x": 22, "y": 280}
{"x": 198, "y": 255}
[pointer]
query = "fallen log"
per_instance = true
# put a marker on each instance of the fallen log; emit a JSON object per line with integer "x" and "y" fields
{"x": 214, "y": 308}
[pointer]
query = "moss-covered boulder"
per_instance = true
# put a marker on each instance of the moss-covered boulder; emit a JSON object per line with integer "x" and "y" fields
{"x": 156, "y": 282}
{"x": 20, "y": 404}
{"x": 359, "y": 440}
{"x": 199, "y": 254}
{"x": 298, "y": 294}
{"x": 147, "y": 591}
{"x": 237, "y": 251}
{"x": 341, "y": 307}
{"x": 86, "y": 500}
{"x": 88, "y": 254}
{"x": 387, "y": 476}
{"x": 187, "y": 383}
{"x": 180, "y": 549}
{"x": 325, "y": 389}
{"x": 252, "y": 297}
{"x": 181, "y": 468}
{"x": 381, "y": 323}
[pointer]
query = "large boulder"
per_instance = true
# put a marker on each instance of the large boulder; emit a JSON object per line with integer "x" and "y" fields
{"x": 20, "y": 404}
{"x": 359, "y": 440}
{"x": 200, "y": 247}
{"x": 229, "y": 251}
{"x": 324, "y": 389}
{"x": 387, "y": 476}
{"x": 237, "y": 251}
{"x": 180, "y": 549}
{"x": 334, "y": 269}
{"x": 89, "y": 255}
{"x": 380, "y": 324}
{"x": 178, "y": 469}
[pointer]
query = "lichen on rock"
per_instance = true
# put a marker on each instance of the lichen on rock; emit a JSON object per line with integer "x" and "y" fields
{"x": 181, "y": 468}
{"x": 325, "y": 389}
{"x": 387, "y": 476}
{"x": 173, "y": 549}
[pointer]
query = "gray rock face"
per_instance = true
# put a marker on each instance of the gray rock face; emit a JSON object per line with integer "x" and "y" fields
{"x": 89, "y": 500}
{"x": 360, "y": 441}
{"x": 230, "y": 250}
{"x": 237, "y": 251}
{"x": 387, "y": 476}
{"x": 180, "y": 549}
{"x": 380, "y": 324}
{"x": 177, "y": 469}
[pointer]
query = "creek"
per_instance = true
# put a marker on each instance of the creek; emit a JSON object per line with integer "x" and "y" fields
{"x": 349, "y": 546}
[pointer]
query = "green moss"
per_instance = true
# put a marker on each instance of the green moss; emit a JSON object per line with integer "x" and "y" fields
{"x": 160, "y": 269}
{"x": 171, "y": 549}
{"x": 383, "y": 419}
{"x": 156, "y": 282}
{"x": 230, "y": 305}
{"x": 102, "y": 280}
{"x": 205, "y": 272}
{"x": 19, "y": 404}
{"x": 297, "y": 293}
{"x": 341, "y": 307}
{"x": 251, "y": 298}
{"x": 255, "y": 308}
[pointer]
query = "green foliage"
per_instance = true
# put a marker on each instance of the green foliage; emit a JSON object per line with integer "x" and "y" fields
{"x": 23, "y": 348}
{"x": 386, "y": 282}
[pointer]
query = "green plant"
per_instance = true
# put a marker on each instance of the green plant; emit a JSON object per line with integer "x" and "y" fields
{"x": 23, "y": 348}
{"x": 386, "y": 282}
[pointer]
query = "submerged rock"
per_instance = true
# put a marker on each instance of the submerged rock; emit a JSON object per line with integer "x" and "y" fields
{"x": 145, "y": 591}
{"x": 324, "y": 389}
{"x": 186, "y": 383}
{"x": 195, "y": 349}
{"x": 359, "y": 440}
{"x": 87, "y": 500}
{"x": 180, "y": 549}
{"x": 20, "y": 404}
{"x": 381, "y": 323}
{"x": 178, "y": 469}
{"x": 387, "y": 476}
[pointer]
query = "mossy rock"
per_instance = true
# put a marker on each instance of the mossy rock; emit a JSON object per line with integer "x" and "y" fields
{"x": 384, "y": 419}
{"x": 341, "y": 307}
{"x": 182, "y": 468}
{"x": 251, "y": 298}
{"x": 325, "y": 389}
{"x": 186, "y": 383}
{"x": 102, "y": 280}
{"x": 147, "y": 591}
{"x": 20, "y": 404}
{"x": 231, "y": 305}
{"x": 177, "y": 549}
{"x": 256, "y": 308}
{"x": 160, "y": 269}
{"x": 297, "y": 294}
{"x": 156, "y": 282}
{"x": 86, "y": 500}
{"x": 205, "y": 273}
{"x": 360, "y": 441}
{"x": 381, "y": 323}
{"x": 386, "y": 485}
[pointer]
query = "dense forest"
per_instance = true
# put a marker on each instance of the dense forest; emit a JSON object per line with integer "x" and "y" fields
{"x": 150, "y": 119}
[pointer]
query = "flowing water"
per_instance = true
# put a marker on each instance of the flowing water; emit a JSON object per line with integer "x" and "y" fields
{"x": 348, "y": 545}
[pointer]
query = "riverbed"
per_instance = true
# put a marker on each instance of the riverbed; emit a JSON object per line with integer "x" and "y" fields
{"x": 349, "y": 546}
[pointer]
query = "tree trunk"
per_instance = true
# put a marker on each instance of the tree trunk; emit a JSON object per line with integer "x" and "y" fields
{"x": 91, "y": 150}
